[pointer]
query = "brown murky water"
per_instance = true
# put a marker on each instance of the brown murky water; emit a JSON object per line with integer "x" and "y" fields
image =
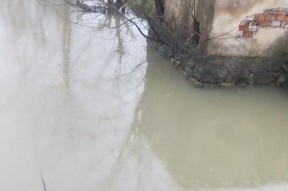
{"x": 97, "y": 109}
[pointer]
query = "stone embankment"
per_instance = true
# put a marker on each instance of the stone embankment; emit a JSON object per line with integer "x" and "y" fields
{"x": 205, "y": 70}
{"x": 213, "y": 43}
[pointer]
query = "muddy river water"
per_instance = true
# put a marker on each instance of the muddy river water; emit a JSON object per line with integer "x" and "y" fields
{"x": 97, "y": 109}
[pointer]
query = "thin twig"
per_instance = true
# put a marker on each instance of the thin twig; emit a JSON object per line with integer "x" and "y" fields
{"x": 42, "y": 176}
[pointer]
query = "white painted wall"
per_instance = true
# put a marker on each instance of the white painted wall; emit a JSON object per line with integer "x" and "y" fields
{"x": 228, "y": 15}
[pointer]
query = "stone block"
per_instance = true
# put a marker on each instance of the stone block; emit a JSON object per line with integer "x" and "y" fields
{"x": 244, "y": 27}
{"x": 165, "y": 51}
{"x": 276, "y": 23}
{"x": 280, "y": 17}
{"x": 264, "y": 78}
{"x": 253, "y": 28}
{"x": 285, "y": 67}
{"x": 265, "y": 23}
{"x": 269, "y": 17}
{"x": 248, "y": 34}
{"x": 260, "y": 17}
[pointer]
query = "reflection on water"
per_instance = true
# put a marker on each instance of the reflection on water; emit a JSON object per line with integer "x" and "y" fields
{"x": 99, "y": 110}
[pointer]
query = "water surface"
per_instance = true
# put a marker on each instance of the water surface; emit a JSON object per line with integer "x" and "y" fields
{"x": 94, "y": 108}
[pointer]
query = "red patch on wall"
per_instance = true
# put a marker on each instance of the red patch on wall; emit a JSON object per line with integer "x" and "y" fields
{"x": 247, "y": 34}
{"x": 260, "y": 17}
{"x": 264, "y": 23}
{"x": 269, "y": 17}
{"x": 280, "y": 17}
{"x": 276, "y": 18}
{"x": 243, "y": 27}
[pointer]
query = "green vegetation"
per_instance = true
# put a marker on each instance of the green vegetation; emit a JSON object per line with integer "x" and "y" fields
{"x": 282, "y": 79}
{"x": 144, "y": 7}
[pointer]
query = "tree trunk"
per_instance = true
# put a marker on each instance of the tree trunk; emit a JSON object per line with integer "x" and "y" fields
{"x": 159, "y": 8}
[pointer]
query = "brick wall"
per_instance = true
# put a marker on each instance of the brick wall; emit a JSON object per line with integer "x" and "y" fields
{"x": 277, "y": 17}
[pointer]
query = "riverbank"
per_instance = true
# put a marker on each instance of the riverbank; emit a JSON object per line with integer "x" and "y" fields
{"x": 204, "y": 70}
